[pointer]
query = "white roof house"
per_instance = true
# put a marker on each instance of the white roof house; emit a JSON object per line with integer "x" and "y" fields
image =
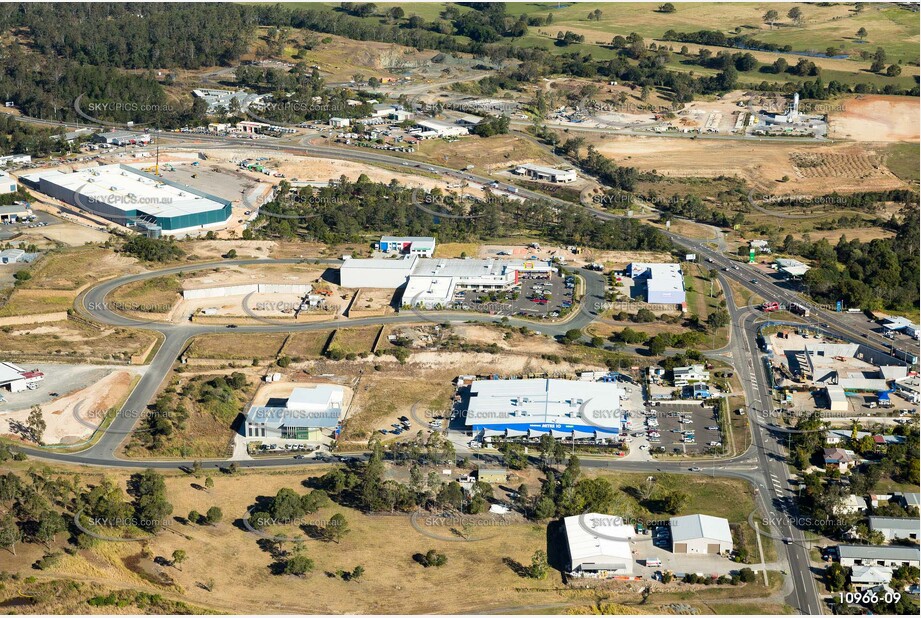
{"x": 867, "y": 576}
{"x": 690, "y": 374}
{"x": 307, "y": 410}
{"x": 598, "y": 545}
{"x": 700, "y": 534}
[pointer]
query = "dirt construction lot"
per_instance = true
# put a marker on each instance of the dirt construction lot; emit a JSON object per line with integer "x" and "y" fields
{"x": 854, "y": 167}
{"x": 85, "y": 393}
{"x": 877, "y": 119}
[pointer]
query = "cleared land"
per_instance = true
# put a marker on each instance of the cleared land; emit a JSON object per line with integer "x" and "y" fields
{"x": 810, "y": 168}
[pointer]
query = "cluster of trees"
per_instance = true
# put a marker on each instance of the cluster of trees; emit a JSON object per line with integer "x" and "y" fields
{"x": 152, "y": 249}
{"x": 882, "y": 273}
{"x": 37, "y": 507}
{"x": 347, "y": 211}
{"x": 20, "y": 138}
{"x": 717, "y": 38}
{"x": 143, "y": 35}
{"x": 492, "y": 125}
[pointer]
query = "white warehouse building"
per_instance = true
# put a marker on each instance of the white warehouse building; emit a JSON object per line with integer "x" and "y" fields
{"x": 598, "y": 545}
{"x": 700, "y": 534}
{"x": 664, "y": 282}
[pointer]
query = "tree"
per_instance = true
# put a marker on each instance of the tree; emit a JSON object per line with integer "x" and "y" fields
{"x": 770, "y": 17}
{"x": 668, "y": 7}
{"x": 396, "y": 13}
{"x": 298, "y": 565}
{"x": 214, "y": 515}
{"x": 151, "y": 508}
{"x": 862, "y": 33}
{"x": 179, "y": 557}
{"x": 36, "y": 424}
{"x": 573, "y": 334}
{"x": 746, "y": 575}
{"x": 718, "y": 319}
{"x": 539, "y": 568}
{"x": 675, "y": 501}
{"x": 894, "y": 70}
{"x": 336, "y": 528}
{"x": 796, "y": 14}
{"x": 835, "y": 577}
{"x": 209, "y": 483}
{"x": 9, "y": 533}
{"x": 357, "y": 573}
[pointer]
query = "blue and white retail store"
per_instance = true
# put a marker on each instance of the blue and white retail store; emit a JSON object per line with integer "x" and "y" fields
{"x": 530, "y": 408}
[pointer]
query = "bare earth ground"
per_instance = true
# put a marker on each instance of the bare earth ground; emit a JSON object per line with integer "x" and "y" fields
{"x": 852, "y": 167}
{"x": 90, "y": 404}
{"x": 877, "y": 118}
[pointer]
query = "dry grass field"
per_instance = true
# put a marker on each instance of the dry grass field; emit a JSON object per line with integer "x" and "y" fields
{"x": 226, "y": 569}
{"x": 237, "y": 346}
{"x": 73, "y": 340}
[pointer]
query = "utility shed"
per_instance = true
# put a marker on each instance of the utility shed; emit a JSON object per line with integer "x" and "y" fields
{"x": 700, "y": 534}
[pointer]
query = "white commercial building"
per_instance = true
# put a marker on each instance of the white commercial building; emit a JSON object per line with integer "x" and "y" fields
{"x": 17, "y": 379}
{"x": 664, "y": 282}
{"x": 307, "y": 411}
{"x": 535, "y": 407}
{"x": 700, "y": 534}
{"x": 431, "y": 281}
{"x": 15, "y": 159}
{"x": 435, "y": 282}
{"x": 387, "y": 273}
{"x": 790, "y": 267}
{"x": 434, "y": 128}
{"x": 122, "y": 138}
{"x": 133, "y": 198}
{"x": 598, "y": 545}
{"x": 542, "y": 172}
{"x": 8, "y": 184}
{"x": 410, "y": 245}
{"x": 690, "y": 375}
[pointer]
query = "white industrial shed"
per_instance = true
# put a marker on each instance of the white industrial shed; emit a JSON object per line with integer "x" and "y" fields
{"x": 837, "y": 399}
{"x": 598, "y": 545}
{"x": 386, "y": 273}
{"x": 700, "y": 534}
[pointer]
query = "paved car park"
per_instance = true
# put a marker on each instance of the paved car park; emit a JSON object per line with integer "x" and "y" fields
{"x": 537, "y": 296}
{"x": 683, "y": 428}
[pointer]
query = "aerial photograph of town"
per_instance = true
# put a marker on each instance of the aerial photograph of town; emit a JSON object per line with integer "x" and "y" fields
{"x": 460, "y": 308}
